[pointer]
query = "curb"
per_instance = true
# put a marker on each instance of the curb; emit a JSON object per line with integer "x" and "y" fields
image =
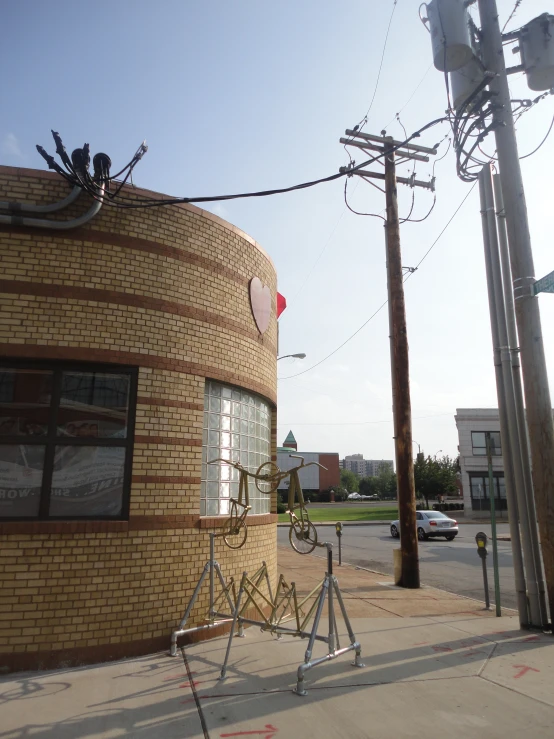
{"x": 344, "y": 523}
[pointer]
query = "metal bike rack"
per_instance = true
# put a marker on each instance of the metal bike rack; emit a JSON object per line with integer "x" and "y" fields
{"x": 328, "y": 590}
{"x": 215, "y": 617}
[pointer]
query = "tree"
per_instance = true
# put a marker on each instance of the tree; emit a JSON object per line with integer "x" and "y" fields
{"x": 434, "y": 476}
{"x": 349, "y": 481}
{"x": 368, "y": 486}
{"x": 385, "y": 484}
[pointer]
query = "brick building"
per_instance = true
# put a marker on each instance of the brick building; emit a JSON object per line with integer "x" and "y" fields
{"x": 129, "y": 358}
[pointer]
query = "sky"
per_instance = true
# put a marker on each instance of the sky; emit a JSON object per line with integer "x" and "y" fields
{"x": 237, "y": 96}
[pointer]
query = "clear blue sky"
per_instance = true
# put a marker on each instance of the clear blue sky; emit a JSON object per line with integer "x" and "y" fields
{"x": 245, "y": 95}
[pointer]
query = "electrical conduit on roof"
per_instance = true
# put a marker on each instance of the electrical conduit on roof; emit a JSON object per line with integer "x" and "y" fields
{"x": 32, "y": 208}
{"x": 16, "y": 220}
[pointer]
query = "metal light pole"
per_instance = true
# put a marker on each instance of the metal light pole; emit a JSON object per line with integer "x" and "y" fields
{"x": 295, "y": 356}
{"x": 535, "y": 378}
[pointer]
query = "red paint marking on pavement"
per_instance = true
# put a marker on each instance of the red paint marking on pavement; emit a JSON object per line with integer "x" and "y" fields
{"x": 473, "y": 652}
{"x": 471, "y": 643}
{"x": 268, "y": 732}
{"x": 420, "y": 643}
{"x": 531, "y": 638}
{"x": 439, "y": 648}
{"x": 189, "y": 684}
{"x": 523, "y": 670}
{"x": 177, "y": 677}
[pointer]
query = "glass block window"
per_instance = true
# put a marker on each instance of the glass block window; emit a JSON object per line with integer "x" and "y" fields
{"x": 237, "y": 426}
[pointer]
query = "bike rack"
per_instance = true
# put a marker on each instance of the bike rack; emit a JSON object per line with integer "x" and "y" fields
{"x": 328, "y": 590}
{"x": 211, "y": 567}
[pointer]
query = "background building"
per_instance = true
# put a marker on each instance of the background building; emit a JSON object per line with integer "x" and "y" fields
{"x": 472, "y": 423}
{"x": 313, "y": 479}
{"x": 366, "y": 467}
{"x": 130, "y": 359}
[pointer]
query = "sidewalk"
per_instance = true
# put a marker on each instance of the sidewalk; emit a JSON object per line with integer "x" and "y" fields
{"x": 434, "y": 662}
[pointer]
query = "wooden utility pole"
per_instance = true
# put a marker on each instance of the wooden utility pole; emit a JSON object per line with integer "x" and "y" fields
{"x": 400, "y": 366}
{"x": 400, "y": 371}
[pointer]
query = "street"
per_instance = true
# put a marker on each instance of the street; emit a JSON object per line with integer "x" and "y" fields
{"x": 450, "y": 565}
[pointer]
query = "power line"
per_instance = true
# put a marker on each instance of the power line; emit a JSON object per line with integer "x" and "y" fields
{"x": 409, "y": 100}
{"x": 364, "y": 119}
{"x": 514, "y": 11}
{"x": 386, "y": 301}
{"x": 78, "y": 175}
{"x": 443, "y": 230}
{"x": 542, "y": 142}
{"x": 338, "y": 347}
{"x": 357, "y": 423}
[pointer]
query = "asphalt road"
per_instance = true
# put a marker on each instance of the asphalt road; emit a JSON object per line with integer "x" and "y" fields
{"x": 451, "y": 565}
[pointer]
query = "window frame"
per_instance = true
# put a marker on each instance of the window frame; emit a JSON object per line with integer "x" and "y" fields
{"x": 484, "y": 453}
{"x": 51, "y": 439}
{"x": 484, "y": 503}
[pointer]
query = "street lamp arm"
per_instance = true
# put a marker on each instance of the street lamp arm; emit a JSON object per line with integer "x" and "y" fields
{"x": 296, "y": 356}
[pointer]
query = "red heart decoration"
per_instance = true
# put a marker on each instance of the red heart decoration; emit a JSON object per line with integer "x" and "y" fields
{"x": 260, "y": 302}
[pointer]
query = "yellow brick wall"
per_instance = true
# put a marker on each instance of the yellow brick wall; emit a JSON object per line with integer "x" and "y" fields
{"x": 165, "y": 290}
{"x": 66, "y": 592}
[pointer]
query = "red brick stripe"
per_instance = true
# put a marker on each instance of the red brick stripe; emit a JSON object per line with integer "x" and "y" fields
{"x": 145, "y": 245}
{"x": 169, "y": 440}
{"x": 72, "y": 292}
{"x": 161, "y": 478}
{"x": 135, "y": 523}
{"x": 86, "y": 354}
{"x": 168, "y": 403}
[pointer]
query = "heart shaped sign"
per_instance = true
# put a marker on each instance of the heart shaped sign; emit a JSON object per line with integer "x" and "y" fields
{"x": 260, "y": 302}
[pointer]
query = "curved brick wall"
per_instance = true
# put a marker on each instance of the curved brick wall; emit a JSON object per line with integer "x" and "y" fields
{"x": 164, "y": 290}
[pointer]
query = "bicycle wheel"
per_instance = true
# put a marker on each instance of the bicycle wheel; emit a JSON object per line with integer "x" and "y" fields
{"x": 270, "y": 472}
{"x": 234, "y": 532}
{"x": 303, "y": 536}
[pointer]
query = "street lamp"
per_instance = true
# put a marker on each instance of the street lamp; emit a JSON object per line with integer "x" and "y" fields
{"x": 439, "y": 451}
{"x": 296, "y": 356}
{"x": 420, "y": 456}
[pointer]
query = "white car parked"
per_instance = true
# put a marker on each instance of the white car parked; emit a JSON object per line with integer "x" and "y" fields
{"x": 430, "y": 524}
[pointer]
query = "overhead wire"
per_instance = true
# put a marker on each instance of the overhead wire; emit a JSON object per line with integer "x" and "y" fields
{"x": 514, "y": 11}
{"x": 525, "y": 156}
{"x": 359, "y": 423}
{"x": 380, "y": 308}
{"x": 364, "y": 120}
{"x": 85, "y": 181}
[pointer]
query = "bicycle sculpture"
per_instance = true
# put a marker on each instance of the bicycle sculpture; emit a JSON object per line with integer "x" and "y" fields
{"x": 302, "y": 532}
{"x": 235, "y": 531}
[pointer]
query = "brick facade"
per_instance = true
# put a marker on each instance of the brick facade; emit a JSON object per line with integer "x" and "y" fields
{"x": 164, "y": 290}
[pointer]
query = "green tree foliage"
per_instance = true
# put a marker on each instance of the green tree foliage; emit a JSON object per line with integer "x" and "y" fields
{"x": 385, "y": 484}
{"x": 368, "y": 486}
{"x": 435, "y": 476}
{"x": 349, "y": 481}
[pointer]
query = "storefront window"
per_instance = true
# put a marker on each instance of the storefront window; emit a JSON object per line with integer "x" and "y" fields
{"x": 65, "y": 441}
{"x": 237, "y": 427}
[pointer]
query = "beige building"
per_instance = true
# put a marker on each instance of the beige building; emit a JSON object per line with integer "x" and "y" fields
{"x": 130, "y": 358}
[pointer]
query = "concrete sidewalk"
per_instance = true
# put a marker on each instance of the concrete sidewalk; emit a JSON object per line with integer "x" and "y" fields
{"x": 434, "y": 662}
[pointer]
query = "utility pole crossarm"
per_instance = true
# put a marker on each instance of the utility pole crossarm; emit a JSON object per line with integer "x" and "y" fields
{"x": 411, "y": 181}
{"x": 388, "y": 141}
{"x": 366, "y": 146}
